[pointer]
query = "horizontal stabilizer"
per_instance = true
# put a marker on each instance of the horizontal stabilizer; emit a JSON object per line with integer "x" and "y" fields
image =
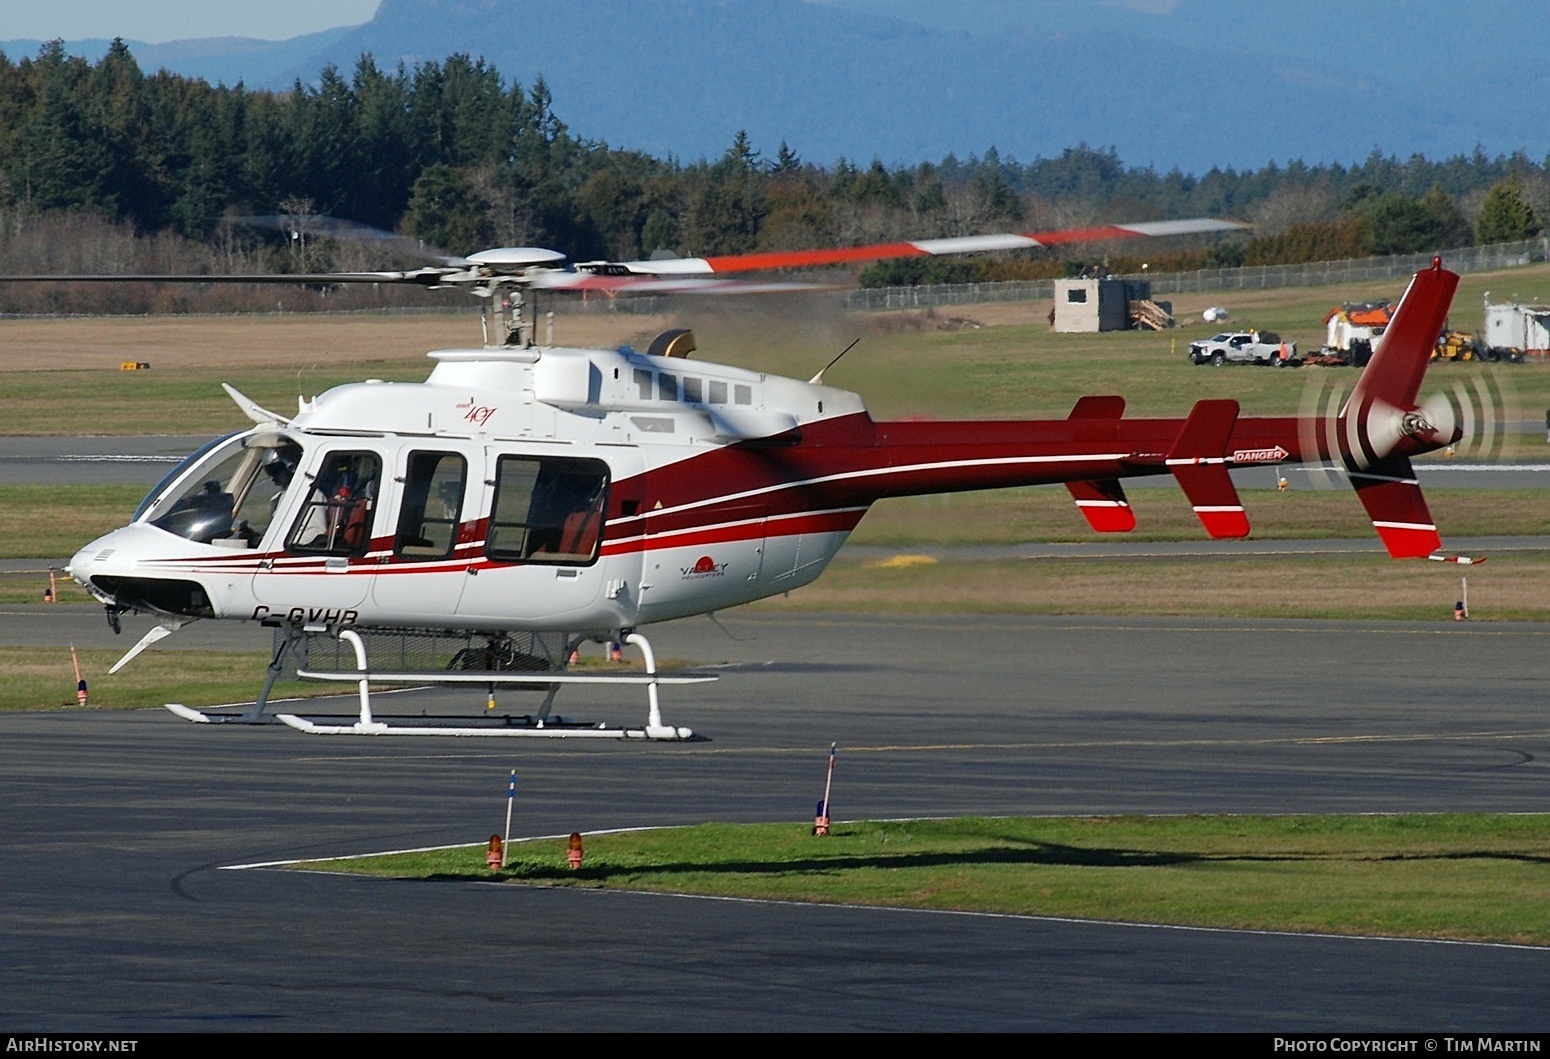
{"x": 1198, "y": 460}
{"x": 1103, "y": 504}
{"x": 1098, "y": 406}
{"x": 1392, "y": 496}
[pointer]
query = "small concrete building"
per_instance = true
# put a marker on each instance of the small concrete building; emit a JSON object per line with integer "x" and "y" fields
{"x": 1100, "y": 304}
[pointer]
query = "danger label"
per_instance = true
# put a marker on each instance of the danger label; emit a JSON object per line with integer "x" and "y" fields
{"x": 1275, "y": 455}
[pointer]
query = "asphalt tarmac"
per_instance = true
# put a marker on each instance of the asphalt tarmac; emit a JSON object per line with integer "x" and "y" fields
{"x": 122, "y": 913}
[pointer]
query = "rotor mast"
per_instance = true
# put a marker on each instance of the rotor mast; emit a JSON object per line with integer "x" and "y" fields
{"x": 503, "y": 318}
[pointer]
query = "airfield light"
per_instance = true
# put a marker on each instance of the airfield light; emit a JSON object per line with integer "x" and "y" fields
{"x": 574, "y": 852}
{"x": 821, "y": 816}
{"x": 496, "y": 856}
{"x": 80, "y": 681}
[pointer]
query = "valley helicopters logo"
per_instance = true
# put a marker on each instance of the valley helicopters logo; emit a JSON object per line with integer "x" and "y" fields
{"x": 705, "y": 566}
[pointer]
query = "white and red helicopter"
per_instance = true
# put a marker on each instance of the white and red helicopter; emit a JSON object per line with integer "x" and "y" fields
{"x": 530, "y": 497}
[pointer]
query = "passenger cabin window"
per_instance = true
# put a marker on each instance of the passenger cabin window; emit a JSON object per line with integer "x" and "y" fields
{"x": 742, "y": 394}
{"x": 692, "y": 390}
{"x": 667, "y": 387}
{"x": 433, "y": 501}
{"x": 336, "y": 516}
{"x": 547, "y": 510}
{"x": 718, "y": 393}
{"x": 643, "y": 381}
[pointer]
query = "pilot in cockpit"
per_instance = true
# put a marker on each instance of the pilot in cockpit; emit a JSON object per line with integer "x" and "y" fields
{"x": 280, "y": 469}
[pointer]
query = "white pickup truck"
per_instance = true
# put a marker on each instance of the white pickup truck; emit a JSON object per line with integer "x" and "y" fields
{"x": 1245, "y": 347}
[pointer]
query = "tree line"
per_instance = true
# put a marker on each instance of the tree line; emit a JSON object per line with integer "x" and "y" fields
{"x": 104, "y": 167}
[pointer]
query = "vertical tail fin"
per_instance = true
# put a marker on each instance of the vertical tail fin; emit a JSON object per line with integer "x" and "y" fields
{"x": 1198, "y": 460}
{"x": 1393, "y": 376}
{"x": 1102, "y": 502}
{"x": 1381, "y": 426}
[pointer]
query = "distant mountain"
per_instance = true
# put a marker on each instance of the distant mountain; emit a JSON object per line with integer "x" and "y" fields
{"x": 219, "y": 60}
{"x": 1194, "y": 83}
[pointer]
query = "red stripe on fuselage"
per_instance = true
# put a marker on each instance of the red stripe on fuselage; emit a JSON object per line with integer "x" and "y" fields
{"x": 756, "y": 529}
{"x": 850, "y": 461}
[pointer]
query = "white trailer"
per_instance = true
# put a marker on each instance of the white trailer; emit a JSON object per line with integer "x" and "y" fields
{"x": 1517, "y": 328}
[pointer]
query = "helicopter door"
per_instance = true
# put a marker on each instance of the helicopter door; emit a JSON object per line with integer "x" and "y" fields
{"x": 324, "y": 573}
{"x": 423, "y": 577}
{"x": 543, "y": 542}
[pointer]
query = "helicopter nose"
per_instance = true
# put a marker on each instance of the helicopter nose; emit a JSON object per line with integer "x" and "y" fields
{"x": 79, "y": 566}
{"x": 98, "y": 553}
{"x": 124, "y": 569}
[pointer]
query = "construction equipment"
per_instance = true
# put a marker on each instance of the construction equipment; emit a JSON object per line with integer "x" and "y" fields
{"x": 1460, "y": 346}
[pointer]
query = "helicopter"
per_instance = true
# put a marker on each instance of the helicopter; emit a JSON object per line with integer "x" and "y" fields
{"x": 527, "y": 498}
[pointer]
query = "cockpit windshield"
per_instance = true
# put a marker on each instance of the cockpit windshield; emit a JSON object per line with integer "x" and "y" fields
{"x": 228, "y": 492}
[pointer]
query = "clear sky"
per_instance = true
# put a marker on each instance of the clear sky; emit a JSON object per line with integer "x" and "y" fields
{"x": 155, "y": 21}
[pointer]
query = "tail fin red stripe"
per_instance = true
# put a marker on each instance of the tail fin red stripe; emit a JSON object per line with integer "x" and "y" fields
{"x": 1392, "y": 496}
{"x": 1103, "y": 504}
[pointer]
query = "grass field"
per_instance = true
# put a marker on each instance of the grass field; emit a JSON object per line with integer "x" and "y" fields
{"x": 1465, "y": 876}
{"x": 62, "y": 375}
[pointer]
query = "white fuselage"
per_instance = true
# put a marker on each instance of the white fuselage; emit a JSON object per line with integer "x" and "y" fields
{"x": 514, "y": 489}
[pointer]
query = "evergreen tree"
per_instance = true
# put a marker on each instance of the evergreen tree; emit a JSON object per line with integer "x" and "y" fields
{"x": 445, "y": 212}
{"x": 1453, "y": 227}
{"x": 64, "y": 161}
{"x": 1401, "y": 225}
{"x": 1504, "y": 216}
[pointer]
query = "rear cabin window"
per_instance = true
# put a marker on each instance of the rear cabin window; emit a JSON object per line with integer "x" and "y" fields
{"x": 336, "y": 516}
{"x": 433, "y": 501}
{"x": 547, "y": 510}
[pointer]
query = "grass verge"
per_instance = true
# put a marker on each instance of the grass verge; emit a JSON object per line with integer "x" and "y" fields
{"x": 54, "y": 521}
{"x": 42, "y": 678}
{"x": 1481, "y": 877}
{"x": 1514, "y": 587}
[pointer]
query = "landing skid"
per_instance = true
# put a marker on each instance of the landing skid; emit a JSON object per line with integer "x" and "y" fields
{"x": 557, "y": 729}
{"x": 199, "y": 717}
{"x": 537, "y": 725}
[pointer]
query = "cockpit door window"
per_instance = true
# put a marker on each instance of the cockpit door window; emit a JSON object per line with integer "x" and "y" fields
{"x": 336, "y": 516}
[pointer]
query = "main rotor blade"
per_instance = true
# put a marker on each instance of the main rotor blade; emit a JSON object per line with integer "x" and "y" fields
{"x": 352, "y": 231}
{"x": 970, "y": 244}
{"x": 423, "y": 276}
{"x": 589, "y": 281}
